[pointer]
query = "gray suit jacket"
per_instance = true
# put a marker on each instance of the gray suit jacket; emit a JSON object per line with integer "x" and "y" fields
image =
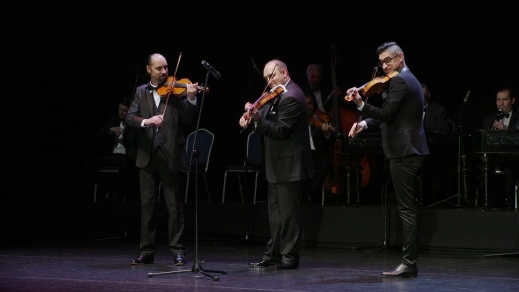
{"x": 178, "y": 111}
{"x": 400, "y": 117}
{"x": 284, "y": 125}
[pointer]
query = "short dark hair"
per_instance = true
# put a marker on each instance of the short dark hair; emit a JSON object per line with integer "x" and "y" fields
{"x": 125, "y": 101}
{"x": 391, "y": 46}
{"x": 503, "y": 89}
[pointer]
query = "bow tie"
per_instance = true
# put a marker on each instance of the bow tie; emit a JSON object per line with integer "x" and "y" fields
{"x": 151, "y": 87}
{"x": 506, "y": 115}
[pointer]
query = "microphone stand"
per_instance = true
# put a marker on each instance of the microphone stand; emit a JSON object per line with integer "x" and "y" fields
{"x": 461, "y": 168}
{"x": 197, "y": 265}
{"x": 386, "y": 176}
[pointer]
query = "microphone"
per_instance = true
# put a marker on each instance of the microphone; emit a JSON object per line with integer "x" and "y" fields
{"x": 254, "y": 63}
{"x": 211, "y": 70}
{"x": 466, "y": 99}
{"x": 499, "y": 117}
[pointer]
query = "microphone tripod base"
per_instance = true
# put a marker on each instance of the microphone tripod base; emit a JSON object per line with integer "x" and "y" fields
{"x": 197, "y": 268}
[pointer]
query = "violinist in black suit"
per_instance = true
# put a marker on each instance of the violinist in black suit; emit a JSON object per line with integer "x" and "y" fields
{"x": 321, "y": 142}
{"x": 506, "y": 118}
{"x": 161, "y": 156}
{"x": 403, "y": 141}
{"x": 283, "y": 123}
{"x": 320, "y": 92}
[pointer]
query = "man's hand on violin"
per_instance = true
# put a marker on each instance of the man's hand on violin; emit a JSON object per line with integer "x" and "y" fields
{"x": 192, "y": 89}
{"x": 246, "y": 117}
{"x": 325, "y": 127}
{"x": 254, "y": 111}
{"x": 154, "y": 121}
{"x": 357, "y": 99}
{"x": 356, "y": 129}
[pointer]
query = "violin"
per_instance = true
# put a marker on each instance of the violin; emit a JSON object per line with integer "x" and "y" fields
{"x": 318, "y": 118}
{"x": 177, "y": 87}
{"x": 377, "y": 84}
{"x": 264, "y": 99}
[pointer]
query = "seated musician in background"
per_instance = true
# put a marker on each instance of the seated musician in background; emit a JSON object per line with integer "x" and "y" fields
{"x": 314, "y": 76}
{"x": 435, "y": 114}
{"x": 506, "y": 118}
{"x": 115, "y": 146}
{"x": 321, "y": 141}
{"x": 436, "y": 175}
{"x": 505, "y": 103}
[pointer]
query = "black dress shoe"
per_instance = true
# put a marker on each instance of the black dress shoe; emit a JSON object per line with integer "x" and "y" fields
{"x": 180, "y": 260}
{"x": 143, "y": 259}
{"x": 262, "y": 264}
{"x": 402, "y": 271}
{"x": 287, "y": 266}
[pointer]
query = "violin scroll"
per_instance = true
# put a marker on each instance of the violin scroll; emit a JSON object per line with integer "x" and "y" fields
{"x": 377, "y": 84}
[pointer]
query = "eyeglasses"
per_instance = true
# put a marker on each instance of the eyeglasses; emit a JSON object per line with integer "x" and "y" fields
{"x": 387, "y": 60}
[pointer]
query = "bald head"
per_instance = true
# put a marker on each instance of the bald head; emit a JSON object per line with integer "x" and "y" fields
{"x": 157, "y": 68}
{"x": 314, "y": 75}
{"x": 276, "y": 73}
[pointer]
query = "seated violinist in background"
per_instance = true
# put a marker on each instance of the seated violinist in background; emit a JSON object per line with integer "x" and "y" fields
{"x": 321, "y": 142}
{"x": 314, "y": 86}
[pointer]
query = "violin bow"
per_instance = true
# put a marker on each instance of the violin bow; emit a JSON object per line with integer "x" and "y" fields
{"x": 172, "y": 85}
{"x": 268, "y": 81}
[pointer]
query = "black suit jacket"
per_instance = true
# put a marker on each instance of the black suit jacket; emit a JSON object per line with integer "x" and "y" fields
{"x": 284, "y": 125}
{"x": 105, "y": 140}
{"x": 400, "y": 117}
{"x": 435, "y": 119}
{"x": 488, "y": 120}
{"x": 178, "y": 111}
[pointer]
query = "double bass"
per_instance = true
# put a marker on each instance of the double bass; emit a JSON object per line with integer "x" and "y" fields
{"x": 343, "y": 120}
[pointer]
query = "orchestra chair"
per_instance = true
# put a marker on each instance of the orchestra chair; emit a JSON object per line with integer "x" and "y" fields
{"x": 111, "y": 170}
{"x": 253, "y": 163}
{"x": 204, "y": 145}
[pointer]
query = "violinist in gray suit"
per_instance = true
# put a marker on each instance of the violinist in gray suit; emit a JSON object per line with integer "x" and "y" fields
{"x": 404, "y": 143}
{"x": 283, "y": 123}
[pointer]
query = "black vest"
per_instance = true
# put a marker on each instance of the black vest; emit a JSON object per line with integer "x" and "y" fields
{"x": 157, "y": 136}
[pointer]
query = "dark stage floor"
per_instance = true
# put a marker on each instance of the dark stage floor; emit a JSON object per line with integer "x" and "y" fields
{"x": 104, "y": 266}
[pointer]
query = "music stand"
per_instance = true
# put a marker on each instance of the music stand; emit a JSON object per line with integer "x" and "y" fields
{"x": 461, "y": 156}
{"x": 197, "y": 265}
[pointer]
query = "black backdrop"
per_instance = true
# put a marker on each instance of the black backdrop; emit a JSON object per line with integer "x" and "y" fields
{"x": 67, "y": 63}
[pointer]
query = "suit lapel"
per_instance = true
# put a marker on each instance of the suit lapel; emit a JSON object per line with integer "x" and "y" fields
{"x": 150, "y": 103}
